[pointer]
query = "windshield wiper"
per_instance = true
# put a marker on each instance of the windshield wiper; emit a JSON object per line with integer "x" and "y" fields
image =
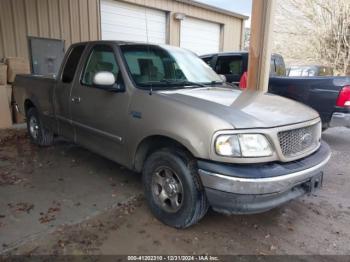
{"x": 152, "y": 83}
{"x": 183, "y": 83}
{"x": 214, "y": 83}
{"x": 166, "y": 83}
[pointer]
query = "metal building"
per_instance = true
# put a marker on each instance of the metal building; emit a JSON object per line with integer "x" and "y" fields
{"x": 186, "y": 23}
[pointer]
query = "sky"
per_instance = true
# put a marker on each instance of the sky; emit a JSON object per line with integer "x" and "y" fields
{"x": 239, "y": 6}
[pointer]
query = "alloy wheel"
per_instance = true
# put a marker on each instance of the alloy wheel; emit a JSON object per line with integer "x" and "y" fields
{"x": 167, "y": 189}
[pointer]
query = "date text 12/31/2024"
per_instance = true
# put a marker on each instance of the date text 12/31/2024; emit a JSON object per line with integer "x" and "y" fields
{"x": 174, "y": 258}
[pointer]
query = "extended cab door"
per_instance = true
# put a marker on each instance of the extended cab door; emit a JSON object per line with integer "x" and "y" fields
{"x": 62, "y": 92}
{"x": 100, "y": 115}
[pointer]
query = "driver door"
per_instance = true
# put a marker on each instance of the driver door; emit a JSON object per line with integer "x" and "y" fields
{"x": 100, "y": 115}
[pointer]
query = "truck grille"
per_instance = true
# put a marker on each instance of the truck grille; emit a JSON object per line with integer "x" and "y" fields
{"x": 298, "y": 141}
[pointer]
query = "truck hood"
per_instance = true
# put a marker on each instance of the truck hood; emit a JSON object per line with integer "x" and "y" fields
{"x": 244, "y": 109}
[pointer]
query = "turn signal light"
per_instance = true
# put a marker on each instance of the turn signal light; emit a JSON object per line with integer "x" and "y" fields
{"x": 344, "y": 97}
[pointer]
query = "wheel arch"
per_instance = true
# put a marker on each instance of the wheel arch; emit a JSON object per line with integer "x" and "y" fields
{"x": 28, "y": 103}
{"x": 150, "y": 144}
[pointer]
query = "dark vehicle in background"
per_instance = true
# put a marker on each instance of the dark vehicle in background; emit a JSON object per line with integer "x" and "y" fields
{"x": 310, "y": 70}
{"x": 233, "y": 65}
{"x": 328, "y": 95}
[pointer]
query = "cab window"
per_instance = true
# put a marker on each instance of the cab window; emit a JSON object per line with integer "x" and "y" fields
{"x": 280, "y": 66}
{"x": 277, "y": 66}
{"x": 101, "y": 59}
{"x": 72, "y": 63}
{"x": 229, "y": 65}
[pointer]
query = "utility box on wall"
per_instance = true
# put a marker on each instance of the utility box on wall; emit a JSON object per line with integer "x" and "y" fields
{"x": 45, "y": 55}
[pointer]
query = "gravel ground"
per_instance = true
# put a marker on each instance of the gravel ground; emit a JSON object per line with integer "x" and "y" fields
{"x": 310, "y": 225}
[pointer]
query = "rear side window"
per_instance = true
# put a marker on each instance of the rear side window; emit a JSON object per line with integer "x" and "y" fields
{"x": 72, "y": 63}
{"x": 230, "y": 65}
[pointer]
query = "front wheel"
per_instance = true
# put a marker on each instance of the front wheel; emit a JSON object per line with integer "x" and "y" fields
{"x": 38, "y": 134}
{"x": 173, "y": 189}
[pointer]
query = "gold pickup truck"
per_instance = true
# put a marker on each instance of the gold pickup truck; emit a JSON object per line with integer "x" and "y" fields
{"x": 162, "y": 111}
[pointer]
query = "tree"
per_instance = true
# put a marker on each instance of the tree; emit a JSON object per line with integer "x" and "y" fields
{"x": 316, "y": 31}
{"x": 246, "y": 40}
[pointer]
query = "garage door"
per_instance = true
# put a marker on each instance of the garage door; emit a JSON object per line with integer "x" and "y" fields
{"x": 200, "y": 36}
{"x": 127, "y": 22}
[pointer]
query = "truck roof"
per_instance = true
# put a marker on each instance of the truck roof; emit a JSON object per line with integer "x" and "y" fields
{"x": 226, "y": 53}
{"x": 117, "y": 42}
{"x": 232, "y": 53}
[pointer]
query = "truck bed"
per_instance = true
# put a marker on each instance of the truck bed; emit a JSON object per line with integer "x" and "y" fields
{"x": 38, "y": 89}
{"x": 320, "y": 93}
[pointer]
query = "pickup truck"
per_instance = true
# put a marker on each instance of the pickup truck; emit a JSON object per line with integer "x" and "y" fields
{"x": 328, "y": 95}
{"x": 309, "y": 70}
{"x": 162, "y": 111}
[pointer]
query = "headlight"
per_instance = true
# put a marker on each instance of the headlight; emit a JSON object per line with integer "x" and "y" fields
{"x": 227, "y": 145}
{"x": 243, "y": 145}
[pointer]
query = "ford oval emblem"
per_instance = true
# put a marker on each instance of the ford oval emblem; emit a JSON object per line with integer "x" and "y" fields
{"x": 306, "y": 139}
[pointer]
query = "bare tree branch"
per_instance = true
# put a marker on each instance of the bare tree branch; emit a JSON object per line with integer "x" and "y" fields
{"x": 316, "y": 31}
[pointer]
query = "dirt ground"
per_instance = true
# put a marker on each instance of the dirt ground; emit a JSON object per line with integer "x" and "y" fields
{"x": 310, "y": 225}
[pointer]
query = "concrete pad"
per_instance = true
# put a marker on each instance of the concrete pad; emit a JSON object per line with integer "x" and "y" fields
{"x": 44, "y": 188}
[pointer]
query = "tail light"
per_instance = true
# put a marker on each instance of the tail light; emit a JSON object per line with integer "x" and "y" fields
{"x": 344, "y": 97}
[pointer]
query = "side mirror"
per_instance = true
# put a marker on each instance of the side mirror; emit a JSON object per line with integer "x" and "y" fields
{"x": 106, "y": 80}
{"x": 223, "y": 78}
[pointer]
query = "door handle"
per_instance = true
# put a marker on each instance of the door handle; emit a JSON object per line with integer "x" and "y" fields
{"x": 76, "y": 100}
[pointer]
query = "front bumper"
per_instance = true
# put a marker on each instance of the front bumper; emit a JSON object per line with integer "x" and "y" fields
{"x": 340, "y": 119}
{"x": 257, "y": 188}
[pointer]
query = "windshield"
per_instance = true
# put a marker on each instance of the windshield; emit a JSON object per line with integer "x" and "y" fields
{"x": 156, "y": 66}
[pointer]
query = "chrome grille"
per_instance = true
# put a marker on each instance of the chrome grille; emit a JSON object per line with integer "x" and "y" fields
{"x": 297, "y": 141}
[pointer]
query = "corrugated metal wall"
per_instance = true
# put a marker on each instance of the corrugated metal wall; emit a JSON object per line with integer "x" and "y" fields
{"x": 232, "y": 26}
{"x": 71, "y": 20}
{"x": 79, "y": 20}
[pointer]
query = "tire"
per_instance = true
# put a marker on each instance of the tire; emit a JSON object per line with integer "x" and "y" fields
{"x": 165, "y": 171}
{"x": 37, "y": 133}
{"x": 325, "y": 125}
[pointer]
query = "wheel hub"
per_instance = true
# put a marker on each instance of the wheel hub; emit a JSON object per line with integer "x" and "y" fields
{"x": 170, "y": 186}
{"x": 33, "y": 127}
{"x": 167, "y": 189}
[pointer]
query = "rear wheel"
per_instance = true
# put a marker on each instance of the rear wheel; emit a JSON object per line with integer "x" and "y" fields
{"x": 173, "y": 189}
{"x": 38, "y": 134}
